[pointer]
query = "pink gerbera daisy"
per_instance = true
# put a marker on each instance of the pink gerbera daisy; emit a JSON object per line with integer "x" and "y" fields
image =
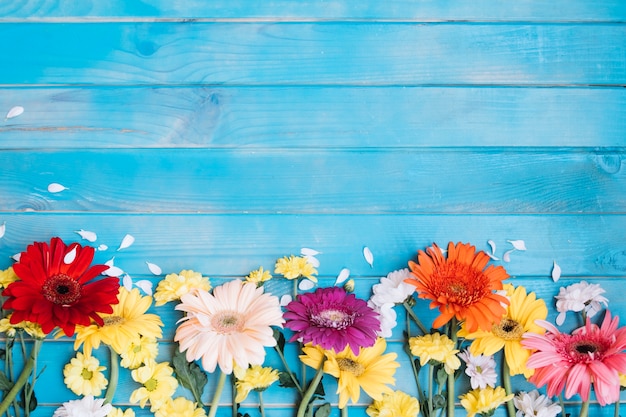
{"x": 590, "y": 355}
{"x": 332, "y": 319}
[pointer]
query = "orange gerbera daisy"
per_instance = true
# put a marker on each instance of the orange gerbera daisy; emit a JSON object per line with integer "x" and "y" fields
{"x": 460, "y": 285}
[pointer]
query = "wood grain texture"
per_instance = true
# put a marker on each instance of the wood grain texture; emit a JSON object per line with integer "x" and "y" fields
{"x": 308, "y": 117}
{"x": 313, "y": 54}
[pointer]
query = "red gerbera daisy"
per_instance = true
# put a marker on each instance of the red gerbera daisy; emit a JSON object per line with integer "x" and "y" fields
{"x": 54, "y": 288}
{"x": 460, "y": 286}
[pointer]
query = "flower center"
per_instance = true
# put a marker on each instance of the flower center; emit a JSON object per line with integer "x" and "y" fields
{"x": 459, "y": 284}
{"x": 86, "y": 374}
{"x": 348, "y": 365}
{"x": 61, "y": 289}
{"x": 226, "y": 322}
{"x": 508, "y": 329}
{"x": 334, "y": 318}
{"x": 151, "y": 384}
{"x": 112, "y": 320}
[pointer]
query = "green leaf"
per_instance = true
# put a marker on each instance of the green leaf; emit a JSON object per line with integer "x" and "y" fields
{"x": 284, "y": 380}
{"x": 32, "y": 404}
{"x": 319, "y": 390}
{"x": 323, "y": 411}
{"x": 5, "y": 383}
{"x": 439, "y": 401}
{"x": 280, "y": 339}
{"x": 442, "y": 376}
{"x": 189, "y": 374}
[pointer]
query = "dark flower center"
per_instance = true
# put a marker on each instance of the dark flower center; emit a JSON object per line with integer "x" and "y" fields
{"x": 335, "y": 318}
{"x": 586, "y": 348}
{"x": 508, "y": 329}
{"x": 61, "y": 289}
{"x": 347, "y": 364}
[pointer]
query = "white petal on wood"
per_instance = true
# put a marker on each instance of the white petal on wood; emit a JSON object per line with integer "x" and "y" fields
{"x": 17, "y": 257}
{"x": 556, "y": 271}
{"x": 126, "y": 242}
{"x": 127, "y": 281}
{"x": 343, "y": 275}
{"x": 114, "y": 271}
{"x": 110, "y": 261}
{"x": 369, "y": 256}
{"x": 507, "y": 255}
{"x": 306, "y": 284}
{"x": 3, "y": 229}
{"x": 155, "y": 269}
{"x": 518, "y": 244}
{"x": 87, "y": 235}
{"x": 492, "y": 245}
{"x": 55, "y": 187}
{"x": 313, "y": 261}
{"x": 495, "y": 258}
{"x": 285, "y": 299}
{"x": 145, "y": 286}
{"x": 560, "y": 319}
{"x": 308, "y": 252}
{"x": 14, "y": 112}
{"x": 103, "y": 247}
{"x": 70, "y": 256}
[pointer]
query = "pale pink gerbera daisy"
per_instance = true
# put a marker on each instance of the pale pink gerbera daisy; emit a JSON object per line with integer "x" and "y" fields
{"x": 590, "y": 355}
{"x": 230, "y": 326}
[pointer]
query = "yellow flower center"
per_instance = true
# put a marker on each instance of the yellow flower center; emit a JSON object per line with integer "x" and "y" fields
{"x": 61, "y": 289}
{"x": 151, "y": 384}
{"x": 226, "y": 322}
{"x": 508, "y": 329}
{"x": 348, "y": 365}
{"x": 86, "y": 374}
{"x": 113, "y": 320}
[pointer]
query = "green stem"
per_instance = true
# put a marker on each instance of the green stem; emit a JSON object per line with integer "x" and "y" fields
{"x": 562, "y": 404}
{"x": 286, "y": 365}
{"x": 261, "y": 407}
{"x": 412, "y": 360}
{"x": 584, "y": 409}
{"x": 451, "y": 390}
{"x": 430, "y": 389}
{"x": 217, "y": 394}
{"x": 506, "y": 381}
{"x": 8, "y": 362}
{"x": 616, "y": 413}
{"x": 114, "y": 365}
{"x": 414, "y": 317}
{"x": 306, "y": 398}
{"x": 23, "y": 378}
{"x": 233, "y": 394}
{"x": 344, "y": 411}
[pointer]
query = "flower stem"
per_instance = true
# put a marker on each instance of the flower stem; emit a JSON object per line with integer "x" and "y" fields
{"x": 506, "y": 381}
{"x": 23, "y": 378}
{"x": 217, "y": 394}
{"x": 114, "y": 365}
{"x": 584, "y": 409}
{"x": 286, "y": 365}
{"x": 414, "y": 317}
{"x": 616, "y": 413}
{"x": 261, "y": 407}
{"x": 451, "y": 390}
{"x": 233, "y": 390}
{"x": 306, "y": 398}
{"x": 344, "y": 411}
{"x": 562, "y": 404}
{"x": 430, "y": 389}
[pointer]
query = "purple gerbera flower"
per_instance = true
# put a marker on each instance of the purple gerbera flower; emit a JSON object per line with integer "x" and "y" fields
{"x": 332, "y": 319}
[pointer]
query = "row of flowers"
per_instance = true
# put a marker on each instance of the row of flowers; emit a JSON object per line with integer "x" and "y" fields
{"x": 55, "y": 291}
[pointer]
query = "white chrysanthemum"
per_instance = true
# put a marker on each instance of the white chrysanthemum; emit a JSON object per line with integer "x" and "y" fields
{"x": 392, "y": 289}
{"x": 387, "y": 316}
{"x": 578, "y": 297}
{"x": 85, "y": 407}
{"x": 481, "y": 369}
{"x": 531, "y": 404}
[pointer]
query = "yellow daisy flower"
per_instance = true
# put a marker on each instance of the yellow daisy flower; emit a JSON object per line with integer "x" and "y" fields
{"x": 117, "y": 412}
{"x": 524, "y": 309}
{"x": 484, "y": 400}
{"x": 173, "y": 286}
{"x": 259, "y": 276}
{"x": 293, "y": 267}
{"x": 179, "y": 407}
{"x": 255, "y": 378}
{"x": 370, "y": 370}
{"x": 32, "y": 329}
{"x": 396, "y": 404}
{"x": 158, "y": 384}
{"x": 7, "y": 276}
{"x": 140, "y": 351}
{"x": 124, "y": 326}
{"x": 438, "y": 348}
{"x": 83, "y": 375}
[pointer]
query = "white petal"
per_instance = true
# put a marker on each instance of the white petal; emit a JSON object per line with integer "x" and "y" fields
{"x": 56, "y": 187}
{"x": 87, "y": 235}
{"x": 556, "y": 272}
{"x": 70, "y": 256}
{"x": 113, "y": 271}
{"x": 507, "y": 255}
{"x": 127, "y": 281}
{"x": 3, "y": 229}
{"x": 126, "y": 242}
{"x": 343, "y": 275}
{"x": 285, "y": 299}
{"x": 560, "y": 319}
{"x": 17, "y": 256}
{"x": 369, "y": 257}
{"x": 14, "y": 112}
{"x": 308, "y": 252}
{"x": 518, "y": 244}
{"x": 145, "y": 286}
{"x": 495, "y": 258}
{"x": 315, "y": 263}
{"x": 110, "y": 261}
{"x": 103, "y": 247}
{"x": 155, "y": 269}
{"x": 306, "y": 284}
{"x": 492, "y": 245}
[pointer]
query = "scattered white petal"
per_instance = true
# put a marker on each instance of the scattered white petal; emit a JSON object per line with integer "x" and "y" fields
{"x": 110, "y": 261}
{"x": 492, "y": 245}
{"x": 70, "y": 256}
{"x": 113, "y": 271}
{"x": 369, "y": 257}
{"x": 3, "y": 229}
{"x": 495, "y": 258}
{"x": 556, "y": 272}
{"x": 155, "y": 269}
{"x": 308, "y": 252}
{"x": 560, "y": 319}
{"x": 126, "y": 242}
{"x": 145, "y": 286}
{"x": 103, "y": 247}
{"x": 507, "y": 255}
{"x": 87, "y": 235}
{"x": 285, "y": 299}
{"x": 518, "y": 244}
{"x": 315, "y": 263}
{"x": 55, "y": 187}
{"x": 14, "y": 112}
{"x": 127, "y": 281}
{"x": 17, "y": 257}
{"x": 306, "y": 284}
{"x": 343, "y": 275}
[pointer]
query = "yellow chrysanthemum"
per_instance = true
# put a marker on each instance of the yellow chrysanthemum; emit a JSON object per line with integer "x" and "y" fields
{"x": 484, "y": 401}
{"x": 436, "y": 347}
{"x": 258, "y": 276}
{"x": 124, "y": 326}
{"x": 173, "y": 286}
{"x": 520, "y": 317}
{"x": 370, "y": 369}
{"x": 396, "y": 404}
{"x": 83, "y": 375}
{"x": 622, "y": 380}
{"x": 32, "y": 329}
{"x": 158, "y": 384}
{"x": 255, "y": 378}
{"x": 7, "y": 276}
{"x": 293, "y": 267}
{"x": 117, "y": 412}
{"x": 179, "y": 407}
{"x": 139, "y": 352}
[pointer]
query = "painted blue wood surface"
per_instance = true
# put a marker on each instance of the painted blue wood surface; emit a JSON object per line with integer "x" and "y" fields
{"x": 226, "y": 134}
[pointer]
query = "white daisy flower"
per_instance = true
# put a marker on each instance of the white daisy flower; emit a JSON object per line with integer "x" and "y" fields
{"x": 578, "y": 297}
{"x": 85, "y": 407}
{"x": 531, "y": 404}
{"x": 387, "y": 316}
{"x": 481, "y": 369}
{"x": 392, "y": 289}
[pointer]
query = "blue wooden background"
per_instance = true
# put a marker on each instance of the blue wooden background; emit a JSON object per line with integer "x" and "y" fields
{"x": 225, "y": 134}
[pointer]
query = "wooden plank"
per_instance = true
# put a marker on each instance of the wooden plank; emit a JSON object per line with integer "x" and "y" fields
{"x": 295, "y": 117}
{"x": 234, "y": 245}
{"x": 313, "y": 54}
{"x": 528, "y": 10}
{"x": 315, "y": 181}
